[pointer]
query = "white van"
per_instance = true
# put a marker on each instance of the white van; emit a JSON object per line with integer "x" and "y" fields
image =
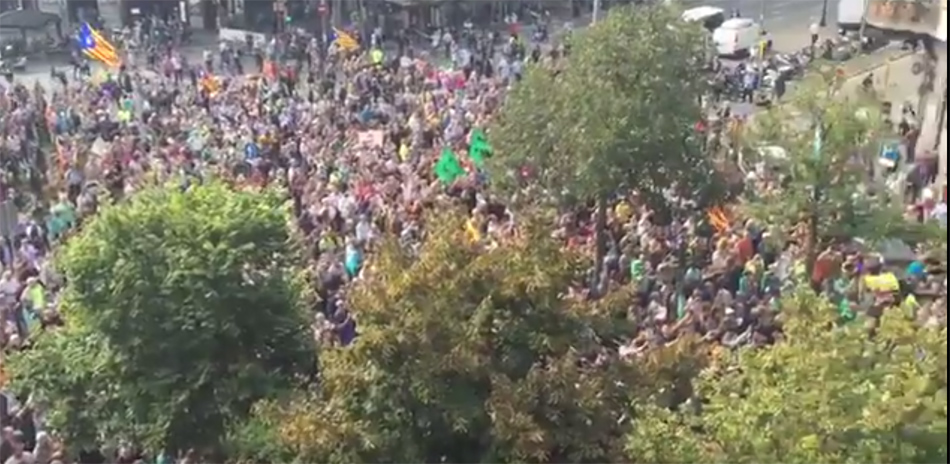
{"x": 736, "y": 36}
{"x": 709, "y": 16}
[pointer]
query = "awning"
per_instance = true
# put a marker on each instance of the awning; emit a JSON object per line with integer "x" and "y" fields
{"x": 27, "y": 19}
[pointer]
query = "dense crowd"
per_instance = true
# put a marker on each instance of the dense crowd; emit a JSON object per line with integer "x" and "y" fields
{"x": 360, "y": 142}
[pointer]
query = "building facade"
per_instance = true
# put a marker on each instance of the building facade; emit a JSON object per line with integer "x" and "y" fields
{"x": 940, "y": 143}
{"x": 941, "y": 34}
{"x": 919, "y": 17}
{"x": 925, "y": 20}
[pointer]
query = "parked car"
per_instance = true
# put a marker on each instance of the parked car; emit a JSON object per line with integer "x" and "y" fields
{"x": 737, "y": 37}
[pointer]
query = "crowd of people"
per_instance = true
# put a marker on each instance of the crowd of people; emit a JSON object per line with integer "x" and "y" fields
{"x": 354, "y": 137}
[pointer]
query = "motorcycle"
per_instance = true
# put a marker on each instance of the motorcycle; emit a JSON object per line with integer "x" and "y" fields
{"x": 9, "y": 67}
{"x": 9, "y": 62}
{"x": 19, "y": 64}
{"x": 788, "y": 66}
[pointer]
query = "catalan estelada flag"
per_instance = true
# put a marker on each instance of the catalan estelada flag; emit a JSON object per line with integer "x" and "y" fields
{"x": 95, "y": 46}
{"x": 210, "y": 84}
{"x": 344, "y": 40}
{"x": 718, "y": 219}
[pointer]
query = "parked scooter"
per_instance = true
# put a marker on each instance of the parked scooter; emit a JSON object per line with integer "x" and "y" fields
{"x": 16, "y": 65}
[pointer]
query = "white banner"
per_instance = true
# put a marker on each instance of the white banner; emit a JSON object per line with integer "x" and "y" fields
{"x": 240, "y": 35}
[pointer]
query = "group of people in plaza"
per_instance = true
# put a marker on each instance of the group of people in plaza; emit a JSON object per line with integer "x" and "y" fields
{"x": 353, "y": 138}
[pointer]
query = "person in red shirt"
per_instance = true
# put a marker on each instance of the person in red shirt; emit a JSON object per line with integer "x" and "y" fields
{"x": 744, "y": 249}
{"x": 825, "y": 267}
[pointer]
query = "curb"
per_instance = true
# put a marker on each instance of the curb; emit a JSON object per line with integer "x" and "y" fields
{"x": 887, "y": 57}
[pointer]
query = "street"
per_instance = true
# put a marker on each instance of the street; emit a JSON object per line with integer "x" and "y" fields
{"x": 39, "y": 70}
{"x": 786, "y": 20}
{"x": 776, "y": 12}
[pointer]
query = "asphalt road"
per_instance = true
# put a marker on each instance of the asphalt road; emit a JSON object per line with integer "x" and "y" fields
{"x": 788, "y": 21}
{"x": 776, "y": 13}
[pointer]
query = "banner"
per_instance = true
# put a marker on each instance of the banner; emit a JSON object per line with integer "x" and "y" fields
{"x": 371, "y": 138}
{"x": 240, "y": 36}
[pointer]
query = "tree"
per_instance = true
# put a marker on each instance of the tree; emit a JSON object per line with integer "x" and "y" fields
{"x": 824, "y": 394}
{"x": 467, "y": 355}
{"x": 619, "y": 117}
{"x": 831, "y": 176}
{"x": 182, "y": 308}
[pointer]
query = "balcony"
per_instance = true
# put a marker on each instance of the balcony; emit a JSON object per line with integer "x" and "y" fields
{"x": 912, "y": 17}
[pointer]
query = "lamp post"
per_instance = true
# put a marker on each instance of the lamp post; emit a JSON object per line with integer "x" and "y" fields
{"x": 864, "y": 21}
{"x": 596, "y": 12}
{"x": 324, "y": 11}
{"x": 824, "y": 14}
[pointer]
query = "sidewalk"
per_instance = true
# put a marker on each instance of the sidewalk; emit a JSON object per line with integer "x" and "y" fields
{"x": 870, "y": 62}
{"x": 895, "y": 82}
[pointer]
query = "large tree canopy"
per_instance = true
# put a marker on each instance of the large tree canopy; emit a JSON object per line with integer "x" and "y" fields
{"x": 619, "y": 117}
{"x": 182, "y": 308}
{"x": 832, "y": 186}
{"x": 467, "y": 355}
{"x": 824, "y": 394}
{"x": 620, "y": 114}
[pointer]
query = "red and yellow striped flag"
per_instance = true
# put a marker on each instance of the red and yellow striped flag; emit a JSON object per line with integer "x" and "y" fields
{"x": 95, "y": 46}
{"x": 718, "y": 219}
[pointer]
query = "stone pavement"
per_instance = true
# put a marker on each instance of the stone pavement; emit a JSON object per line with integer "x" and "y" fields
{"x": 895, "y": 81}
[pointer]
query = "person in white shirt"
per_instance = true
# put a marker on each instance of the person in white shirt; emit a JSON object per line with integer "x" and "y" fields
{"x": 939, "y": 213}
{"x": 447, "y": 43}
{"x": 814, "y": 30}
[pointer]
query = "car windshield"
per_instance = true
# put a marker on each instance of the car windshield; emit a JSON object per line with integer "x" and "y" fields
{"x": 713, "y": 22}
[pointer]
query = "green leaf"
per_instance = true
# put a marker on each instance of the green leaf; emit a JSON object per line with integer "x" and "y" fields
{"x": 183, "y": 308}
{"x": 466, "y": 356}
{"x": 618, "y": 115}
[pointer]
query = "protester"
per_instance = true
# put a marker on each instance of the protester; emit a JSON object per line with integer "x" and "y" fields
{"x": 365, "y": 144}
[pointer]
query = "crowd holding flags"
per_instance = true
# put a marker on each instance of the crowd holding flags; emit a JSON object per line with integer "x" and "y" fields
{"x": 95, "y": 46}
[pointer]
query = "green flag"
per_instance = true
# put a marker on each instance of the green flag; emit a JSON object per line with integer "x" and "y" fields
{"x": 447, "y": 169}
{"x": 845, "y": 313}
{"x": 478, "y": 148}
{"x": 680, "y": 305}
